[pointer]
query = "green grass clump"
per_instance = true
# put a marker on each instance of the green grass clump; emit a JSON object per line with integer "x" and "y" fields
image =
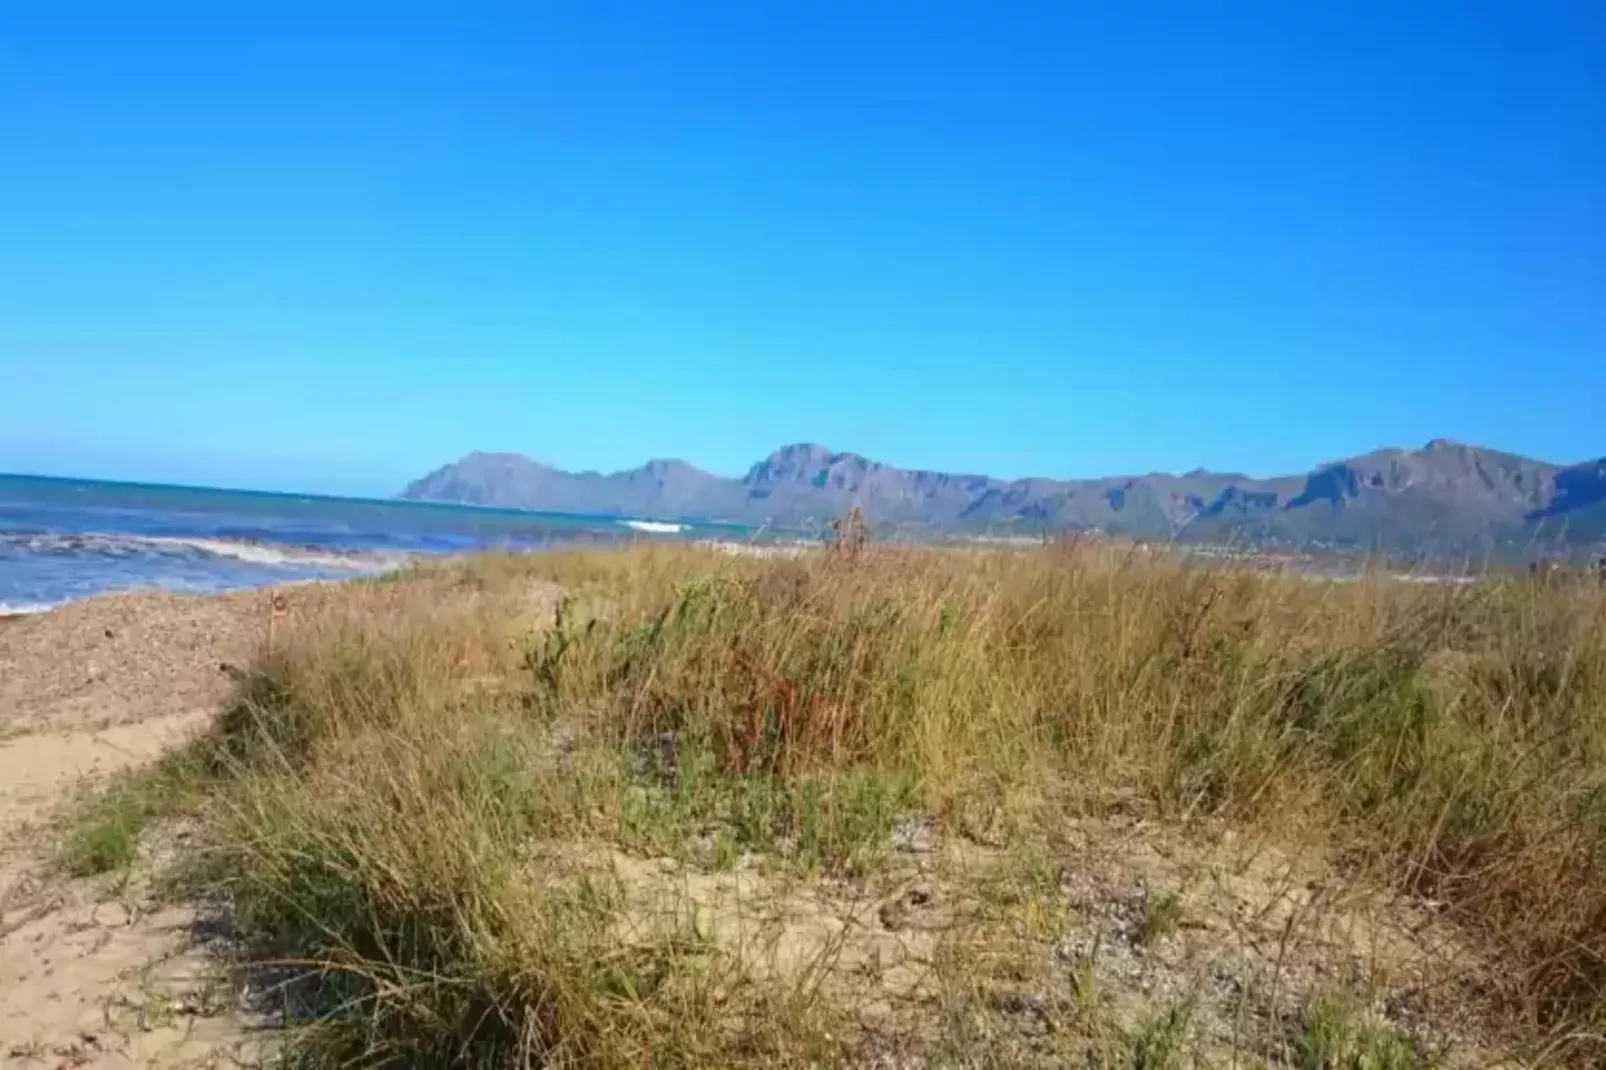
{"x": 1157, "y": 1041}
{"x": 103, "y": 833}
{"x": 106, "y": 841}
{"x": 1335, "y": 1035}
{"x": 1161, "y": 916}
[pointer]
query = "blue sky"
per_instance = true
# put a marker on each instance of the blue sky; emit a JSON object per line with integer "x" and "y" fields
{"x": 330, "y": 246}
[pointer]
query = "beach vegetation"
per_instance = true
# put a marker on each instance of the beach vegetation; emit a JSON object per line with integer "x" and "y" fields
{"x": 705, "y": 809}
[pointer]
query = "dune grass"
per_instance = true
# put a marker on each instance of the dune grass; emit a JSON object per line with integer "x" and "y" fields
{"x": 104, "y": 833}
{"x": 405, "y": 791}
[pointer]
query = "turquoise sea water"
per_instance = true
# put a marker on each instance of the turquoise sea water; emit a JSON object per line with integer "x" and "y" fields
{"x": 62, "y": 539}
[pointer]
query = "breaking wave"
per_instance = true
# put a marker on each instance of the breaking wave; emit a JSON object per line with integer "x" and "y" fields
{"x": 655, "y": 527}
{"x": 262, "y": 555}
{"x": 26, "y": 609}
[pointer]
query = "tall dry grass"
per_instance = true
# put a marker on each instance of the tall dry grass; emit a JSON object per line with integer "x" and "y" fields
{"x": 1448, "y": 737}
{"x": 395, "y": 776}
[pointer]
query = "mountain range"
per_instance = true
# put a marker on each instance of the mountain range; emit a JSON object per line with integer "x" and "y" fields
{"x": 1446, "y": 497}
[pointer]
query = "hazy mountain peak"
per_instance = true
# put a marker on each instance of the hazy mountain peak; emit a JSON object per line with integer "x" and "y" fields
{"x": 1447, "y": 495}
{"x": 799, "y": 453}
{"x": 503, "y": 458}
{"x": 802, "y": 449}
{"x": 665, "y": 466}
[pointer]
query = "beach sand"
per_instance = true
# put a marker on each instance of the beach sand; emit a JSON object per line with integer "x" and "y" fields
{"x": 104, "y": 973}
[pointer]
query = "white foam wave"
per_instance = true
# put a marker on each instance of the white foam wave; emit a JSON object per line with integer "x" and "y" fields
{"x": 255, "y": 553}
{"x": 25, "y": 609}
{"x": 749, "y": 549}
{"x": 655, "y": 527}
{"x": 252, "y": 553}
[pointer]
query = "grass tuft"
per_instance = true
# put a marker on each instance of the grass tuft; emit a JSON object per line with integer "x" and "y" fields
{"x": 1158, "y": 1040}
{"x": 1335, "y": 1034}
{"x": 1161, "y": 916}
{"x": 103, "y": 834}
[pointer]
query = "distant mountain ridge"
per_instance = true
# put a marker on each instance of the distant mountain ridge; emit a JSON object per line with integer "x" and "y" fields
{"x": 1444, "y": 497}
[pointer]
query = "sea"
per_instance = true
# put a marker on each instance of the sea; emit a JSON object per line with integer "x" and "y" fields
{"x": 65, "y": 539}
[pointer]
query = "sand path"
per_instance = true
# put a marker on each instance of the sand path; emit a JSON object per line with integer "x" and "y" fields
{"x": 104, "y": 972}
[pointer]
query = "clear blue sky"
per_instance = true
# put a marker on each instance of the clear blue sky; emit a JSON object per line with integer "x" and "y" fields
{"x": 329, "y": 251}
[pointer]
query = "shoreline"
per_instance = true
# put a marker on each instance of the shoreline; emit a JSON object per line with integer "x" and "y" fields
{"x": 64, "y": 569}
{"x": 246, "y": 549}
{"x": 346, "y": 566}
{"x": 34, "y": 611}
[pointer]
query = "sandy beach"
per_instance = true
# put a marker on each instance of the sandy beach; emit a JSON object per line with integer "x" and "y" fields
{"x": 96, "y": 974}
